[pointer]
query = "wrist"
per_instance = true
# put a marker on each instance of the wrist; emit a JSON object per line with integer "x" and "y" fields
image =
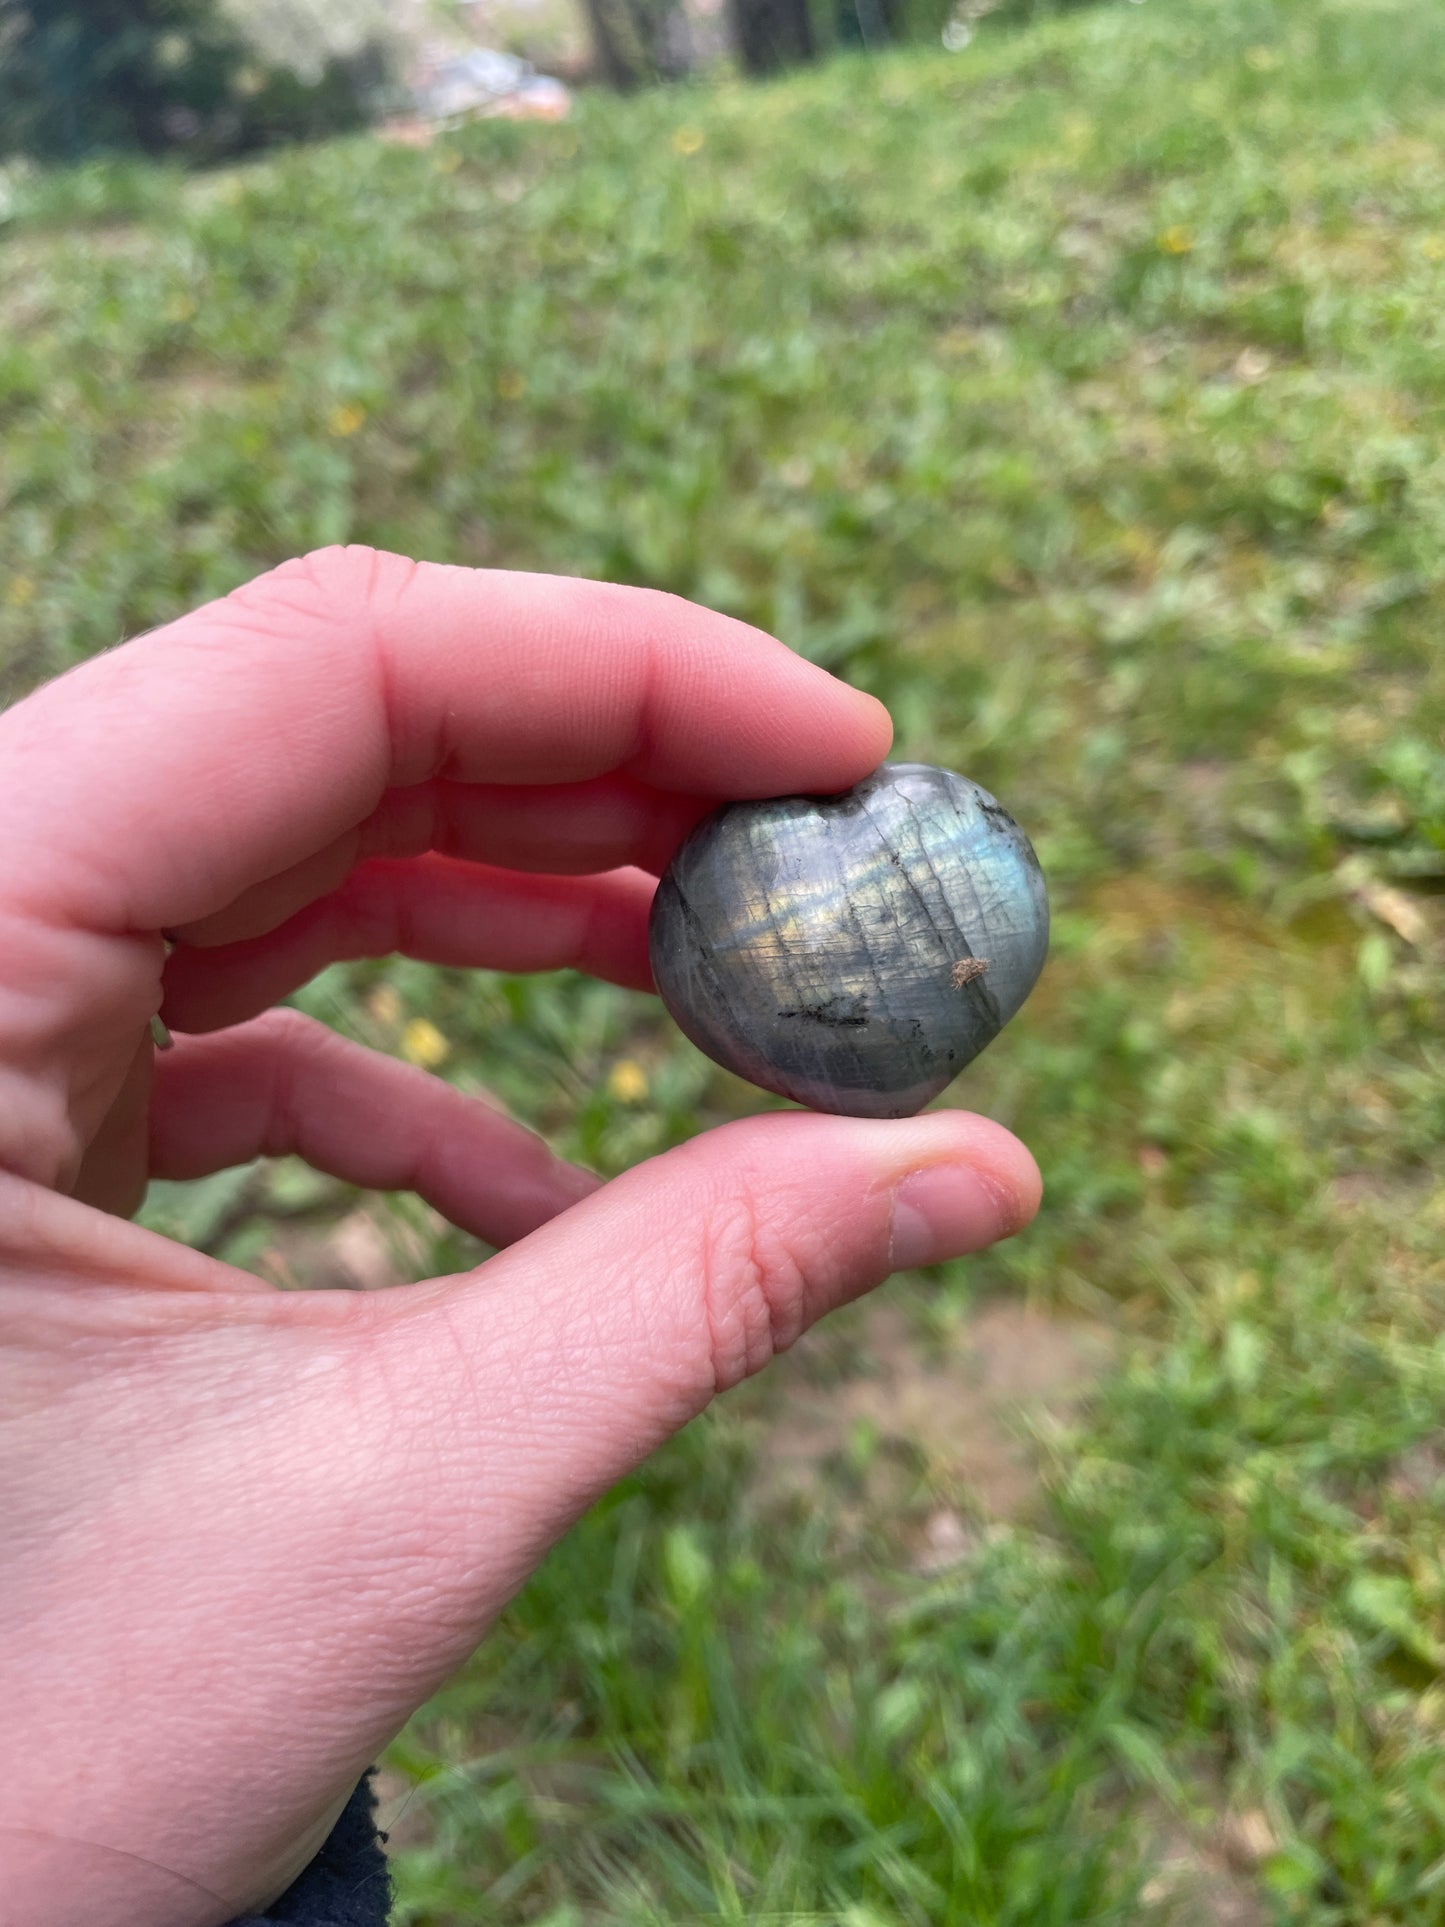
{"x": 334, "y": 1875}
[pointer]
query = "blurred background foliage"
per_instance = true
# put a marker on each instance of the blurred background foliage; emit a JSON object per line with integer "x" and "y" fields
{"x": 87, "y": 77}
{"x": 1079, "y": 392}
{"x": 210, "y": 78}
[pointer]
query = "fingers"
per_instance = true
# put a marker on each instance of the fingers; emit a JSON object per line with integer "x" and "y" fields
{"x": 287, "y": 1085}
{"x": 434, "y": 909}
{"x": 567, "y": 1359}
{"x": 113, "y": 1173}
{"x": 151, "y": 787}
{"x": 562, "y": 829}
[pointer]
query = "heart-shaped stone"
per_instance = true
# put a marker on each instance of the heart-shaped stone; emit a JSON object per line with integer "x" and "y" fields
{"x": 852, "y": 952}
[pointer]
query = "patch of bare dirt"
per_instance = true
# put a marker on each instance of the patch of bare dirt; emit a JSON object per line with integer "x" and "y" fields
{"x": 1419, "y": 1472}
{"x": 369, "y": 1249}
{"x": 1393, "y": 1195}
{"x": 1207, "y": 1878}
{"x": 953, "y": 1430}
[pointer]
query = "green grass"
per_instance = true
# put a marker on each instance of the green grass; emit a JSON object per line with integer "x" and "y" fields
{"x": 1083, "y": 396}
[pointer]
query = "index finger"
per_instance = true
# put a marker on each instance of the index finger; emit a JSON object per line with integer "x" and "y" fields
{"x": 152, "y": 786}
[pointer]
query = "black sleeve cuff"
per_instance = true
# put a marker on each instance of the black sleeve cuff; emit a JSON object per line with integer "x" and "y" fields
{"x": 347, "y": 1884}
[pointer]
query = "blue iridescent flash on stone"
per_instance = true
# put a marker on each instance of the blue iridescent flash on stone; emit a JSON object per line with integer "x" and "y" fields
{"x": 852, "y": 952}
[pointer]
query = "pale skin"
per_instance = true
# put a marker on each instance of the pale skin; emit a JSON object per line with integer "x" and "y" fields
{"x": 245, "y": 1533}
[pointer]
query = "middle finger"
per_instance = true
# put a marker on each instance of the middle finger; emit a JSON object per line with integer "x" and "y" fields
{"x": 559, "y": 829}
{"x": 433, "y": 908}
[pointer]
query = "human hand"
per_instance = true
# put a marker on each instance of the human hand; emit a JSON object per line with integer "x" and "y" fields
{"x": 244, "y": 1533}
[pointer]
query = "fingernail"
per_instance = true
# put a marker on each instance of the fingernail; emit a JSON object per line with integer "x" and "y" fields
{"x": 945, "y": 1210}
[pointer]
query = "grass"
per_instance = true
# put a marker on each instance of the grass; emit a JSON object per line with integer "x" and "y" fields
{"x": 1082, "y": 395}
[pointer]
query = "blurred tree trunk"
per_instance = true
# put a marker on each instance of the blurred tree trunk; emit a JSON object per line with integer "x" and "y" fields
{"x": 868, "y": 23}
{"x": 771, "y": 34}
{"x": 635, "y": 41}
{"x": 611, "y": 35}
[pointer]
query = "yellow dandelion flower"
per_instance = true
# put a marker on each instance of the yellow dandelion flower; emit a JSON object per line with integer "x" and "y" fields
{"x": 1176, "y": 240}
{"x": 511, "y": 385}
{"x": 1433, "y": 247}
{"x": 346, "y": 418}
{"x": 627, "y": 1081}
{"x": 688, "y": 140}
{"x": 19, "y": 590}
{"x": 422, "y": 1043}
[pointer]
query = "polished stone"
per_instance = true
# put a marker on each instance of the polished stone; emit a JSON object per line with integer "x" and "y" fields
{"x": 852, "y": 952}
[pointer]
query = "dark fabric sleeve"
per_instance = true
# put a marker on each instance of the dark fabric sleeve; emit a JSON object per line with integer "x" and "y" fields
{"x": 347, "y": 1884}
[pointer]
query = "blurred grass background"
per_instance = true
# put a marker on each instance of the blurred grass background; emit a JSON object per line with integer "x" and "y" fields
{"x": 1081, "y": 395}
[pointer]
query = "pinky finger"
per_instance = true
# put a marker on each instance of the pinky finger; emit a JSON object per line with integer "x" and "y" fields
{"x": 286, "y": 1084}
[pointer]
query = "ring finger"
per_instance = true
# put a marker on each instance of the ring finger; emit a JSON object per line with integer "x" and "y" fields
{"x": 433, "y": 908}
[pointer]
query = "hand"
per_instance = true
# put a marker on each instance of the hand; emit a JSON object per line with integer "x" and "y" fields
{"x": 244, "y": 1533}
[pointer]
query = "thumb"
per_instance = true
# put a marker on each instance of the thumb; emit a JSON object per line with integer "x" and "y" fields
{"x": 561, "y": 1363}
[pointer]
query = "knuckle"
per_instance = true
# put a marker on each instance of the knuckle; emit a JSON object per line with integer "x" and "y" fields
{"x": 294, "y": 1033}
{"x": 39, "y": 1138}
{"x": 754, "y": 1283}
{"x": 295, "y": 1048}
{"x": 341, "y": 579}
{"x": 376, "y": 912}
{"x": 624, "y": 606}
{"x": 349, "y": 569}
{"x": 672, "y": 617}
{"x": 300, "y": 1050}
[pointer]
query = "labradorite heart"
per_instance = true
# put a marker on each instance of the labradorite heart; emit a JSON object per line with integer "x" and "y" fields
{"x": 852, "y": 952}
